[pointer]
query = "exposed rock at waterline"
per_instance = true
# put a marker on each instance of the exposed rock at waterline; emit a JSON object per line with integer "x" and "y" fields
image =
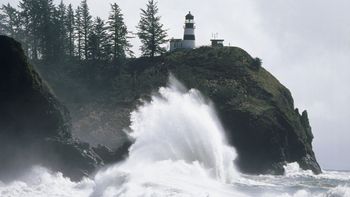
{"x": 257, "y": 111}
{"x": 35, "y": 129}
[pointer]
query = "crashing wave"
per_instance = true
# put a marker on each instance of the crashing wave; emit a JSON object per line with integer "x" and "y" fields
{"x": 293, "y": 169}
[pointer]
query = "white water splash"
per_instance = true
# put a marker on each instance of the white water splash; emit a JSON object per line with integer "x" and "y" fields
{"x": 179, "y": 150}
{"x": 293, "y": 170}
{"x": 40, "y": 182}
{"x": 181, "y": 126}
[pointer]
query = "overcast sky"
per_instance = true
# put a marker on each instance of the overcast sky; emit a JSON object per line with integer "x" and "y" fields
{"x": 305, "y": 44}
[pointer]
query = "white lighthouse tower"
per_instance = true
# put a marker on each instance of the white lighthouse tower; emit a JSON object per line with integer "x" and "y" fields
{"x": 189, "y": 41}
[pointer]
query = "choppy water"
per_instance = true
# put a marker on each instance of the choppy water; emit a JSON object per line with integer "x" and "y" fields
{"x": 184, "y": 180}
{"x": 179, "y": 150}
{"x": 296, "y": 183}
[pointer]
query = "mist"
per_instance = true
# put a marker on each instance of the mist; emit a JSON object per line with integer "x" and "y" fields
{"x": 305, "y": 44}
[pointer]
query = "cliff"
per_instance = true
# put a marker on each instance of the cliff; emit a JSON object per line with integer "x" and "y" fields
{"x": 35, "y": 128}
{"x": 257, "y": 111}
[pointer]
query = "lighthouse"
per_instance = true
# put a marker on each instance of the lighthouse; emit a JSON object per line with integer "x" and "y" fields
{"x": 189, "y": 36}
{"x": 189, "y": 40}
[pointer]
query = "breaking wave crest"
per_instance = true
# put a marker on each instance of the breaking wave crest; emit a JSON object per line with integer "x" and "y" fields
{"x": 179, "y": 150}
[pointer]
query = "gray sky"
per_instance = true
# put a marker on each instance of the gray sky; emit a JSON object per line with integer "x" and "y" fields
{"x": 305, "y": 44}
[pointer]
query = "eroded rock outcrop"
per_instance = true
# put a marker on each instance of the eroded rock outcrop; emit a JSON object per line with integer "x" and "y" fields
{"x": 256, "y": 109}
{"x": 35, "y": 129}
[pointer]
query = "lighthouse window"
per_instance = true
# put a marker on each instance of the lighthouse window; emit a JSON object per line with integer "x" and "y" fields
{"x": 189, "y": 25}
{"x": 189, "y": 37}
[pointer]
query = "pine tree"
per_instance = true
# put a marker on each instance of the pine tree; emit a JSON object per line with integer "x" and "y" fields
{"x": 79, "y": 32}
{"x": 98, "y": 41}
{"x": 47, "y": 30}
{"x": 38, "y": 17}
{"x": 86, "y": 25}
{"x": 150, "y": 31}
{"x": 10, "y": 22}
{"x": 2, "y": 24}
{"x": 118, "y": 33}
{"x": 60, "y": 44}
{"x": 31, "y": 26}
{"x": 70, "y": 23}
{"x": 8, "y": 17}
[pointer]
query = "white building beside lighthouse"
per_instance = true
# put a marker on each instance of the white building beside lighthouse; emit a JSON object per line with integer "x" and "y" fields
{"x": 189, "y": 38}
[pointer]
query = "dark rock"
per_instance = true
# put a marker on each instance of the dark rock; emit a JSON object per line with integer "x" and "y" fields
{"x": 257, "y": 111}
{"x": 35, "y": 129}
{"x": 110, "y": 156}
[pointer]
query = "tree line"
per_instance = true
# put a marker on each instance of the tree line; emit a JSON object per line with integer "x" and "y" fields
{"x": 50, "y": 32}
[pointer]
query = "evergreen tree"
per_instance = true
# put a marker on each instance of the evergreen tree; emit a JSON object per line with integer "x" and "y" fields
{"x": 60, "y": 44}
{"x": 118, "y": 33}
{"x": 99, "y": 47}
{"x": 79, "y": 32}
{"x": 31, "y": 21}
{"x": 9, "y": 18}
{"x": 86, "y": 25}
{"x": 70, "y": 23}
{"x": 2, "y": 24}
{"x": 47, "y": 30}
{"x": 10, "y": 22}
{"x": 38, "y": 18}
{"x": 151, "y": 32}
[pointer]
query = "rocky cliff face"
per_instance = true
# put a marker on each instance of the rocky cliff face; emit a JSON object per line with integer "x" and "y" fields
{"x": 35, "y": 129}
{"x": 257, "y": 111}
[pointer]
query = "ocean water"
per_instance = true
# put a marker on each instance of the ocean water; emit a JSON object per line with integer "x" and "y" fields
{"x": 296, "y": 183}
{"x": 184, "y": 180}
{"x": 179, "y": 150}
